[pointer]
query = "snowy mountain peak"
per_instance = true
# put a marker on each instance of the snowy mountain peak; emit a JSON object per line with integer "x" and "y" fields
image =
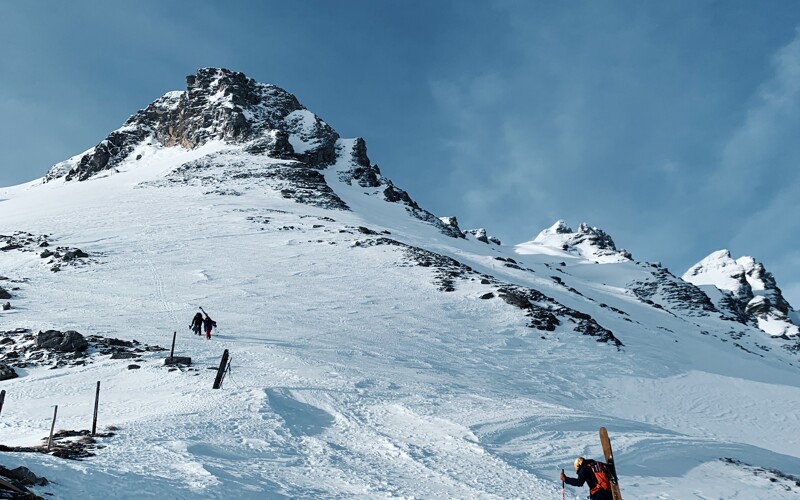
{"x": 587, "y": 242}
{"x": 217, "y": 105}
{"x": 745, "y": 290}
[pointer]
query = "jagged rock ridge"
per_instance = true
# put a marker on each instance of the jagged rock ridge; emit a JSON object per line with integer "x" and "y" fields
{"x": 218, "y": 104}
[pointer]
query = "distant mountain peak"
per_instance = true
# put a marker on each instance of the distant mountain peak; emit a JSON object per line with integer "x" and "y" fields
{"x": 588, "y": 242}
{"x": 745, "y": 290}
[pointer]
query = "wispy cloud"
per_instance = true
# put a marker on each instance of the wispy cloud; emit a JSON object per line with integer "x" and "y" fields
{"x": 763, "y": 152}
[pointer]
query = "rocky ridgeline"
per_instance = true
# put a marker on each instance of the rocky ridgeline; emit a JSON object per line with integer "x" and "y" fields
{"x": 667, "y": 292}
{"x": 20, "y": 348}
{"x": 545, "y": 313}
{"x": 368, "y": 175}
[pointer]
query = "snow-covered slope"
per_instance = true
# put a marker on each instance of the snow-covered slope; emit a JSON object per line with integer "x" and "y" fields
{"x": 375, "y": 350}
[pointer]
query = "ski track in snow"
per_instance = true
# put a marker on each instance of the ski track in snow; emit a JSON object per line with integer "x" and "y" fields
{"x": 352, "y": 376}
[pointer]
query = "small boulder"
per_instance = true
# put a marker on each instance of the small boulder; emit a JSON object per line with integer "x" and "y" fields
{"x": 6, "y": 372}
{"x": 177, "y": 360}
{"x": 7, "y": 306}
{"x": 69, "y": 341}
{"x": 4, "y": 293}
{"x": 24, "y": 476}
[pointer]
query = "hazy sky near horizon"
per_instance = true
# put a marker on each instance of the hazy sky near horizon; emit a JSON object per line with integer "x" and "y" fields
{"x": 674, "y": 126}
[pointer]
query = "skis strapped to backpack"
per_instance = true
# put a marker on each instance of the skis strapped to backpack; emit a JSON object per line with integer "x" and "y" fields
{"x": 612, "y": 470}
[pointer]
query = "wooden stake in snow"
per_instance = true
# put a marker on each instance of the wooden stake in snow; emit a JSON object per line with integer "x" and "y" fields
{"x": 52, "y": 428}
{"x": 172, "y": 352}
{"x": 223, "y": 364}
{"x": 96, "y": 405}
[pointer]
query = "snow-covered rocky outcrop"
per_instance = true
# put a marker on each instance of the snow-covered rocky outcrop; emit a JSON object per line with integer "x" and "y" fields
{"x": 745, "y": 291}
{"x": 218, "y": 104}
{"x": 587, "y": 242}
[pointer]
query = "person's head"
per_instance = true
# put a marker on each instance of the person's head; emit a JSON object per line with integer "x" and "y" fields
{"x": 578, "y": 463}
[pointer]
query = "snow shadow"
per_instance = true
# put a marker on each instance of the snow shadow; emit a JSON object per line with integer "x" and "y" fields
{"x": 302, "y": 419}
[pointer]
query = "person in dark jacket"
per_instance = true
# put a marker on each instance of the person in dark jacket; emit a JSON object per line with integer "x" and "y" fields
{"x": 585, "y": 469}
{"x": 208, "y": 324}
{"x": 197, "y": 323}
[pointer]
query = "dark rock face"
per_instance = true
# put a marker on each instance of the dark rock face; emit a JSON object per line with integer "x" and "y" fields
{"x": 4, "y": 293}
{"x": 218, "y": 104}
{"x": 69, "y": 341}
{"x": 6, "y": 372}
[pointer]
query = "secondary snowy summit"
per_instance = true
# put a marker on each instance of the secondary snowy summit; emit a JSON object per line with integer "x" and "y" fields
{"x": 746, "y": 291}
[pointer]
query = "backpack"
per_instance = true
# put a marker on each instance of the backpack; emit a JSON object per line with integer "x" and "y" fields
{"x": 601, "y": 476}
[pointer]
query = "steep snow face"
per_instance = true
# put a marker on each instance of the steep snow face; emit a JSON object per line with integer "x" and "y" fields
{"x": 588, "y": 243}
{"x": 744, "y": 288}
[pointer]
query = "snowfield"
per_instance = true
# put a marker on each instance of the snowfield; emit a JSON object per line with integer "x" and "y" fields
{"x": 352, "y": 374}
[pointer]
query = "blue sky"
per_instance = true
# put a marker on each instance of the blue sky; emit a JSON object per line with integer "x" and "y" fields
{"x": 671, "y": 125}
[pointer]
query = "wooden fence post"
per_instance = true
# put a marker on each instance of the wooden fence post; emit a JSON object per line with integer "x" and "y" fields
{"x": 96, "y": 405}
{"x": 223, "y": 364}
{"x": 172, "y": 352}
{"x": 52, "y": 428}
